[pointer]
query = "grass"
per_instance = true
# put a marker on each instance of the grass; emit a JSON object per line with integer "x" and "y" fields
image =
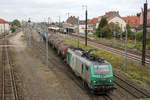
{"x": 134, "y": 71}
{"x": 121, "y": 43}
{"x": 4, "y": 34}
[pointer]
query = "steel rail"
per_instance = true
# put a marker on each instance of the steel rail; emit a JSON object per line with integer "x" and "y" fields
{"x": 117, "y": 52}
{"x": 131, "y": 86}
{"x": 6, "y": 57}
{"x": 3, "y": 72}
{"x": 12, "y": 76}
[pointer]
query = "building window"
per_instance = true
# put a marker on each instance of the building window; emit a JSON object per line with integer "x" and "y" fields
{"x": 135, "y": 21}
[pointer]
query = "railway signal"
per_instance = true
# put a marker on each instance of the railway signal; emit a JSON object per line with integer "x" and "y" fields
{"x": 144, "y": 32}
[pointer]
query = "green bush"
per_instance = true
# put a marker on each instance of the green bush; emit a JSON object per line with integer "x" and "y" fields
{"x": 13, "y": 29}
{"x": 139, "y": 36}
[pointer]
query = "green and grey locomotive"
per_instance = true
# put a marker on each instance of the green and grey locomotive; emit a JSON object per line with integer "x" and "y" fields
{"x": 95, "y": 72}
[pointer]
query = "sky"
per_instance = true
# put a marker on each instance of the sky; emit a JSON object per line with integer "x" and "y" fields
{"x": 40, "y": 10}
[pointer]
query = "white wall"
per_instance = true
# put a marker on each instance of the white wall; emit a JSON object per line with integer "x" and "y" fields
{"x": 119, "y": 21}
{"x": 82, "y": 29}
{"x": 4, "y": 27}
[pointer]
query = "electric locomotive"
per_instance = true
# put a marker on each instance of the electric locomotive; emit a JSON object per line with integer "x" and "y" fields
{"x": 96, "y": 73}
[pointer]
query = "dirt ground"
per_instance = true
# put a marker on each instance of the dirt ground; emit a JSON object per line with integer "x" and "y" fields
{"x": 56, "y": 83}
{"x": 39, "y": 84}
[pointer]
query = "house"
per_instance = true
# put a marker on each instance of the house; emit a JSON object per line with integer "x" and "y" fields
{"x": 117, "y": 20}
{"x": 140, "y": 27}
{"x": 4, "y": 26}
{"x": 82, "y": 29}
{"x": 148, "y": 17}
{"x": 133, "y": 21}
{"x": 72, "y": 20}
{"x": 93, "y": 23}
{"x": 107, "y": 15}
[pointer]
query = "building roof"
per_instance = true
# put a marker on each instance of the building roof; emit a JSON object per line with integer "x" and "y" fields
{"x": 72, "y": 20}
{"x": 133, "y": 21}
{"x": 110, "y": 18}
{"x": 94, "y": 20}
{"x": 111, "y": 13}
{"x": 3, "y": 21}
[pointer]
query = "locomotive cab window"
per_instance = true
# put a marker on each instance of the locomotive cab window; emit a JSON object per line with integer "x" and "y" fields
{"x": 101, "y": 69}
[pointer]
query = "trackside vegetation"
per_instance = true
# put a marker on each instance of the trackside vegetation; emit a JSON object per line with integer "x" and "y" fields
{"x": 135, "y": 71}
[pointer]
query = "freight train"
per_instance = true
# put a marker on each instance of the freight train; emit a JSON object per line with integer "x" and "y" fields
{"x": 95, "y": 72}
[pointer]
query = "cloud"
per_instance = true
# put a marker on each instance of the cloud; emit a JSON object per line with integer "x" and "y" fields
{"x": 38, "y": 10}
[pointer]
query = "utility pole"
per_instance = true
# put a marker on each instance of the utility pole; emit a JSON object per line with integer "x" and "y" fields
{"x": 135, "y": 35}
{"x": 78, "y": 31}
{"x": 29, "y": 26}
{"x": 59, "y": 23}
{"x": 68, "y": 23}
{"x": 1, "y": 29}
{"x": 4, "y": 28}
{"x": 126, "y": 51}
{"x": 46, "y": 37}
{"x": 86, "y": 14}
{"x": 144, "y": 33}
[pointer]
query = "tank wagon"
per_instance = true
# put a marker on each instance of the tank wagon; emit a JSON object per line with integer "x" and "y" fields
{"x": 63, "y": 49}
{"x": 57, "y": 42}
{"x": 95, "y": 72}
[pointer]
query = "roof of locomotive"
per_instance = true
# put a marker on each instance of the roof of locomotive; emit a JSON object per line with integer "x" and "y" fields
{"x": 89, "y": 62}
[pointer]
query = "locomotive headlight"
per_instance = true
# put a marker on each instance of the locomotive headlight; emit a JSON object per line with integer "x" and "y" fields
{"x": 94, "y": 81}
{"x": 109, "y": 79}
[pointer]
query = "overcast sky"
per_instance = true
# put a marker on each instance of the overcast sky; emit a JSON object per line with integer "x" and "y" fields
{"x": 40, "y": 10}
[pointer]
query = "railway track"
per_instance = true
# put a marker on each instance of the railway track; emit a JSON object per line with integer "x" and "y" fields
{"x": 130, "y": 88}
{"x": 117, "y": 52}
{"x": 9, "y": 89}
{"x": 54, "y": 61}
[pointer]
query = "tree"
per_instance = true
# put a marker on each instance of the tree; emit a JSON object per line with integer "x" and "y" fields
{"x": 128, "y": 29}
{"x": 106, "y": 31}
{"x": 139, "y": 36}
{"x": 16, "y": 23}
{"x": 13, "y": 29}
{"x": 130, "y": 33}
{"x": 110, "y": 30}
{"x": 102, "y": 23}
{"x": 138, "y": 14}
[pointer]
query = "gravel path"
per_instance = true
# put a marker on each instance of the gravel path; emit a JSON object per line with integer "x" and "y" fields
{"x": 38, "y": 84}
